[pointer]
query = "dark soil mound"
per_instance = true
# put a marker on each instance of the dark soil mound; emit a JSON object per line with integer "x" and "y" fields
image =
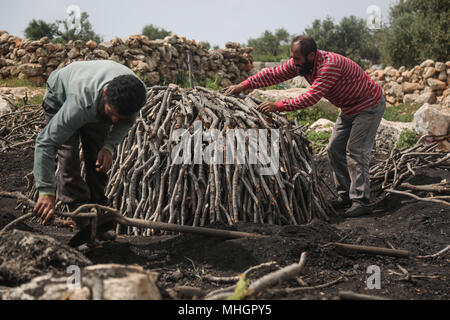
{"x": 14, "y": 166}
{"x": 25, "y": 255}
{"x": 284, "y": 244}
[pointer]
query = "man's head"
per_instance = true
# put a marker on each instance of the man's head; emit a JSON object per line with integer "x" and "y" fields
{"x": 303, "y": 51}
{"x": 124, "y": 96}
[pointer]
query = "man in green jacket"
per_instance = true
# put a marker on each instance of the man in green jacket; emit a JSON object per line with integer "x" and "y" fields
{"x": 97, "y": 102}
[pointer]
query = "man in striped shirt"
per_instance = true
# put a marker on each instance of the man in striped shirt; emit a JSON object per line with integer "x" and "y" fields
{"x": 347, "y": 86}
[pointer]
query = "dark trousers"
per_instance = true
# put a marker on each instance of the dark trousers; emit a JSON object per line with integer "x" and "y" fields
{"x": 71, "y": 188}
{"x": 349, "y": 152}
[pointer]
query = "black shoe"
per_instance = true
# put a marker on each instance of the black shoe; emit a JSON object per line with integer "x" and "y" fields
{"x": 341, "y": 203}
{"x": 357, "y": 210}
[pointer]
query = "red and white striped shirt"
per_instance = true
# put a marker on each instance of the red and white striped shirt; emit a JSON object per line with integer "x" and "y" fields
{"x": 337, "y": 78}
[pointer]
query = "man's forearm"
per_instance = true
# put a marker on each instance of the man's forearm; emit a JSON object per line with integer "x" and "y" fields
{"x": 271, "y": 76}
{"x": 44, "y": 168}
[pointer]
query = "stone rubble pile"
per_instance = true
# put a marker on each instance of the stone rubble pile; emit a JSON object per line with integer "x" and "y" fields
{"x": 154, "y": 60}
{"x": 426, "y": 83}
{"x": 97, "y": 282}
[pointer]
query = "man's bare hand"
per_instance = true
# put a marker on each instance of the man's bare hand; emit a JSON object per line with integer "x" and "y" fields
{"x": 45, "y": 207}
{"x": 104, "y": 161}
{"x": 234, "y": 90}
{"x": 267, "y": 107}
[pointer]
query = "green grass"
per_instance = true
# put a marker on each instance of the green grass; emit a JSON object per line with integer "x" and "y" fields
{"x": 401, "y": 113}
{"x": 270, "y": 58}
{"x": 213, "y": 84}
{"x": 408, "y": 138}
{"x": 319, "y": 140}
{"x": 16, "y": 82}
{"x": 241, "y": 289}
{"x": 310, "y": 115}
{"x": 142, "y": 77}
{"x": 36, "y": 100}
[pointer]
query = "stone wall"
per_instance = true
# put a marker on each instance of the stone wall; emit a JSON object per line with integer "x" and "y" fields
{"x": 427, "y": 83}
{"x": 156, "y": 61}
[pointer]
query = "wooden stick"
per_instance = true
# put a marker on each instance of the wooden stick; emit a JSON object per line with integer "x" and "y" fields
{"x": 186, "y": 229}
{"x": 349, "y": 295}
{"x": 373, "y": 250}
{"x": 438, "y": 254}
{"x": 140, "y": 223}
{"x": 418, "y": 198}
{"x": 245, "y": 273}
{"x": 278, "y": 276}
{"x": 429, "y": 188}
{"x": 295, "y": 290}
{"x": 19, "y": 196}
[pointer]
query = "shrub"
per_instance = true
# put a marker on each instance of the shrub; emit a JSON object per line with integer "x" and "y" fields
{"x": 401, "y": 113}
{"x": 319, "y": 140}
{"x": 310, "y": 115}
{"x": 408, "y": 138}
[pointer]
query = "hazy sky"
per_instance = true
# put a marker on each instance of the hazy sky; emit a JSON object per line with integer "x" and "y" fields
{"x": 215, "y": 21}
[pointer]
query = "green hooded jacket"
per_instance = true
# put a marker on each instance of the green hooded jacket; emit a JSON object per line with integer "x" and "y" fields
{"x": 75, "y": 92}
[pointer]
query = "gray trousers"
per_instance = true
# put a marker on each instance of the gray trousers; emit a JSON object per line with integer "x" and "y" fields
{"x": 349, "y": 152}
{"x": 71, "y": 187}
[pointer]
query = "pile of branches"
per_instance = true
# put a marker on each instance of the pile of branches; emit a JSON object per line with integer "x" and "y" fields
{"x": 146, "y": 183}
{"x": 20, "y": 128}
{"x": 392, "y": 174}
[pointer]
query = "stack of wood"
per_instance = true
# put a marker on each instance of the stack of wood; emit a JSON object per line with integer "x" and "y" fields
{"x": 392, "y": 174}
{"x": 20, "y": 128}
{"x": 146, "y": 181}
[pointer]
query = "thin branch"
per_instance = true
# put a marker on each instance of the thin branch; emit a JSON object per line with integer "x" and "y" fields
{"x": 273, "y": 278}
{"x": 418, "y": 198}
{"x": 349, "y": 295}
{"x": 438, "y": 254}
{"x": 295, "y": 290}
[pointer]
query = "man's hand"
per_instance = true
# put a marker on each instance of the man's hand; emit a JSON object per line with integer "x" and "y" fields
{"x": 104, "y": 161}
{"x": 267, "y": 107}
{"x": 234, "y": 90}
{"x": 45, "y": 207}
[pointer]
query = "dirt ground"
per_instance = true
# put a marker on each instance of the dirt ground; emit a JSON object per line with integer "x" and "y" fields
{"x": 185, "y": 260}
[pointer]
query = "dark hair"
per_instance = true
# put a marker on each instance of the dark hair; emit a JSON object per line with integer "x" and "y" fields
{"x": 307, "y": 44}
{"x": 126, "y": 94}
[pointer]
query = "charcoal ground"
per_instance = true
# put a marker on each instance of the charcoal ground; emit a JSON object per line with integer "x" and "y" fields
{"x": 422, "y": 228}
